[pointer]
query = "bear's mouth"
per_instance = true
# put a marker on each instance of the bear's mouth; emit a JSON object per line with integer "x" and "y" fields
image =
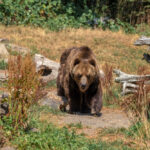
{"x": 83, "y": 88}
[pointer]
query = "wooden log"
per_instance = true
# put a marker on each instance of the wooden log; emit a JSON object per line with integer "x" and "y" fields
{"x": 129, "y": 88}
{"x": 47, "y": 68}
{"x": 130, "y": 82}
{"x": 128, "y": 91}
{"x": 142, "y": 41}
{"x": 123, "y": 77}
{"x": 130, "y": 85}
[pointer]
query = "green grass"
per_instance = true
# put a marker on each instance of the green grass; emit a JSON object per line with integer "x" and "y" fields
{"x": 51, "y": 84}
{"x": 77, "y": 125}
{"x": 50, "y": 137}
{"x": 3, "y": 65}
{"x": 36, "y": 110}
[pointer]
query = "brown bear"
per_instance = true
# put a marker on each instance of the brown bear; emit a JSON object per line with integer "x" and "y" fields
{"x": 78, "y": 81}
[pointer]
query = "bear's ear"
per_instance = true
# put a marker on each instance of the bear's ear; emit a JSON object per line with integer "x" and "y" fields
{"x": 92, "y": 62}
{"x": 77, "y": 61}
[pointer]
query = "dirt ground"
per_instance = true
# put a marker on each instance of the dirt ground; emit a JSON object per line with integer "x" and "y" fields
{"x": 91, "y": 125}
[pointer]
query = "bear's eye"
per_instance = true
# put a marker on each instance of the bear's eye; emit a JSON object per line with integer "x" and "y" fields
{"x": 77, "y": 61}
{"x": 92, "y": 62}
{"x": 79, "y": 76}
{"x": 88, "y": 76}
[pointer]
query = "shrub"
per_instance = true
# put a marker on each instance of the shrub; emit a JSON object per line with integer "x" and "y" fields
{"x": 110, "y": 92}
{"x": 57, "y": 14}
{"x": 23, "y": 84}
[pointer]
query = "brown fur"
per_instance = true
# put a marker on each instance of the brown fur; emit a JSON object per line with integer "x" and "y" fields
{"x": 79, "y": 81}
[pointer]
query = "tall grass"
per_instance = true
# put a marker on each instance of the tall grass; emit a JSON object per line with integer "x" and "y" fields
{"x": 23, "y": 84}
{"x": 110, "y": 90}
{"x": 139, "y": 104}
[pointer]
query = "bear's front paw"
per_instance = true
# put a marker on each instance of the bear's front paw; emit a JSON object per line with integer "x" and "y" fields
{"x": 95, "y": 113}
{"x": 62, "y": 108}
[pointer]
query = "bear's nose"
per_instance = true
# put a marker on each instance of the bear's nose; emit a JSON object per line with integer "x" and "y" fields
{"x": 83, "y": 86}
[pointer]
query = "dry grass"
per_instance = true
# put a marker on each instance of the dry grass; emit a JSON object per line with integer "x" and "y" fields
{"x": 23, "y": 84}
{"x": 115, "y": 48}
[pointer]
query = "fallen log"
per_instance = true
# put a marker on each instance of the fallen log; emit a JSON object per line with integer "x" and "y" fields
{"x": 124, "y": 77}
{"x": 47, "y": 68}
{"x": 143, "y": 40}
{"x": 130, "y": 82}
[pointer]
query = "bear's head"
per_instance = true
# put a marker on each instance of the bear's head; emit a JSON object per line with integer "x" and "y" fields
{"x": 84, "y": 72}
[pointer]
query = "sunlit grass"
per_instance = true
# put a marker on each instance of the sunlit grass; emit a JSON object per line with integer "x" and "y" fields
{"x": 115, "y": 48}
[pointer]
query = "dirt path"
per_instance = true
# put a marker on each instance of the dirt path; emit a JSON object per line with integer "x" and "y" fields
{"x": 110, "y": 118}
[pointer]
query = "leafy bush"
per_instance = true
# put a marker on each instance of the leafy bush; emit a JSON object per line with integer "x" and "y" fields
{"x": 57, "y": 14}
{"x": 52, "y": 14}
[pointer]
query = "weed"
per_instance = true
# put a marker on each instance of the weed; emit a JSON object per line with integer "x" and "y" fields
{"x": 14, "y": 53}
{"x": 34, "y": 51}
{"x": 3, "y": 65}
{"x": 110, "y": 91}
{"x": 139, "y": 103}
{"x": 77, "y": 125}
{"x": 51, "y": 84}
{"x": 22, "y": 85}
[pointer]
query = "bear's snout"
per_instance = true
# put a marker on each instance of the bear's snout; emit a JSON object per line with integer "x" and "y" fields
{"x": 83, "y": 84}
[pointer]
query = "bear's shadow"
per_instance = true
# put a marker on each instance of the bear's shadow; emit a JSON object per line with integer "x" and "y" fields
{"x": 84, "y": 114}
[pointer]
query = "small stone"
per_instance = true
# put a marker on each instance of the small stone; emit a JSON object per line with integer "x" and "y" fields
{"x": 50, "y": 102}
{"x": 5, "y": 95}
{"x": 8, "y": 148}
{"x": 34, "y": 130}
{"x": 2, "y": 112}
{"x": 3, "y": 51}
{"x": 3, "y": 40}
{"x": 5, "y": 106}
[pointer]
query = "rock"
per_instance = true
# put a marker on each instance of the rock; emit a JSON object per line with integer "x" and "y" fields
{"x": 8, "y": 148}
{"x": 5, "y": 95}
{"x": 34, "y": 130}
{"x": 3, "y": 52}
{"x": 15, "y": 48}
{"x": 4, "y": 40}
{"x": 5, "y": 106}
{"x": 2, "y": 112}
{"x": 54, "y": 104}
{"x": 3, "y": 109}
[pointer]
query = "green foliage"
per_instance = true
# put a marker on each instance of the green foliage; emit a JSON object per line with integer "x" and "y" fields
{"x": 49, "y": 136}
{"x": 51, "y": 84}
{"x": 59, "y": 14}
{"x": 54, "y": 15}
{"x": 3, "y": 65}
